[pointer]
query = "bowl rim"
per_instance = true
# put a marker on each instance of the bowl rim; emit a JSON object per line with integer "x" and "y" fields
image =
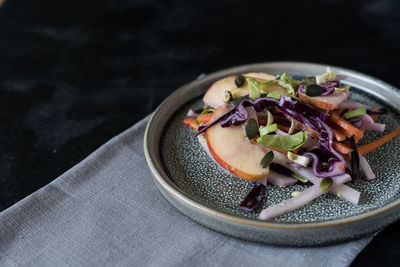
{"x": 167, "y": 184}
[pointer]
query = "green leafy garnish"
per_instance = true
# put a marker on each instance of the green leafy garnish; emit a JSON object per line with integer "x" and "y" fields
{"x": 202, "y": 113}
{"x": 276, "y": 94}
{"x": 292, "y": 124}
{"x": 302, "y": 160}
{"x": 345, "y": 87}
{"x": 268, "y": 129}
{"x": 285, "y": 142}
{"x": 289, "y": 81}
{"x": 326, "y": 77}
{"x": 355, "y": 113}
{"x": 270, "y": 119}
{"x": 256, "y": 88}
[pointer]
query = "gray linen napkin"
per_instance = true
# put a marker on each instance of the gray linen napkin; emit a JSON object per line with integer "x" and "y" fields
{"x": 107, "y": 211}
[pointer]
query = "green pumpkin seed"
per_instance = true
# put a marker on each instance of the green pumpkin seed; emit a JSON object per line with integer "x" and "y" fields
{"x": 251, "y": 128}
{"x": 239, "y": 81}
{"x": 326, "y": 184}
{"x": 298, "y": 177}
{"x": 296, "y": 193}
{"x": 267, "y": 159}
{"x": 236, "y": 101}
{"x": 313, "y": 90}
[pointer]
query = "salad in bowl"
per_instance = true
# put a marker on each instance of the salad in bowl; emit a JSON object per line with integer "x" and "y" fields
{"x": 279, "y": 131}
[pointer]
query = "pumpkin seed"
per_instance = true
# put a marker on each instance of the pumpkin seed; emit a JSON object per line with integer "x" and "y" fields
{"x": 239, "y": 81}
{"x": 251, "y": 128}
{"x": 267, "y": 159}
{"x": 326, "y": 184}
{"x": 313, "y": 90}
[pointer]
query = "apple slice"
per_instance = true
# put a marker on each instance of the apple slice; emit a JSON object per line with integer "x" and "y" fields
{"x": 214, "y": 97}
{"x": 233, "y": 151}
{"x": 329, "y": 102}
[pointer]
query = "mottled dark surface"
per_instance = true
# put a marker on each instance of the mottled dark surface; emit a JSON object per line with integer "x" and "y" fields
{"x": 75, "y": 73}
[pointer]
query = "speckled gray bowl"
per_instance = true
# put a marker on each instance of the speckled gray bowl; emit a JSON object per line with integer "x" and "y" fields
{"x": 199, "y": 188}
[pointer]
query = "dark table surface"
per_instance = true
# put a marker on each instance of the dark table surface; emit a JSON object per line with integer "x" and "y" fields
{"x": 73, "y": 73}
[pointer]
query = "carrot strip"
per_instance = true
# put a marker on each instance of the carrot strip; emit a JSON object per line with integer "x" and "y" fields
{"x": 191, "y": 123}
{"x": 205, "y": 118}
{"x": 378, "y": 143}
{"x": 338, "y": 111}
{"x": 337, "y": 134}
{"x": 342, "y": 148}
{"x": 348, "y": 129}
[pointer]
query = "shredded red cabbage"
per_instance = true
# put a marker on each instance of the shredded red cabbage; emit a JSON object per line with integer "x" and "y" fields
{"x": 203, "y": 128}
{"x": 357, "y": 122}
{"x": 254, "y": 198}
{"x": 381, "y": 111}
{"x": 300, "y": 112}
{"x": 336, "y": 166}
{"x": 240, "y": 115}
{"x": 355, "y": 159}
{"x": 302, "y": 108}
{"x": 298, "y": 117}
{"x": 329, "y": 88}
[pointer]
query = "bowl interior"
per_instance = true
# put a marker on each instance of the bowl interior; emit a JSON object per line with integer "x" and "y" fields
{"x": 190, "y": 168}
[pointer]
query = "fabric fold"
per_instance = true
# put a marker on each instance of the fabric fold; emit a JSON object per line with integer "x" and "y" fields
{"x": 107, "y": 211}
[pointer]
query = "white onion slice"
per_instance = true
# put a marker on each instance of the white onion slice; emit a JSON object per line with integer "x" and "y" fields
{"x": 300, "y": 200}
{"x": 278, "y": 179}
{"x": 369, "y": 174}
{"x": 351, "y": 105}
{"x": 345, "y": 191}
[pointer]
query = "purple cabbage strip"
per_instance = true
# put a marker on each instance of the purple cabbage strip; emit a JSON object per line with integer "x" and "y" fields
{"x": 301, "y": 88}
{"x": 325, "y": 144}
{"x": 240, "y": 115}
{"x": 329, "y": 88}
{"x": 203, "y": 128}
{"x": 355, "y": 159}
{"x": 302, "y": 113}
{"x": 254, "y": 198}
{"x": 298, "y": 117}
{"x": 381, "y": 111}
{"x": 357, "y": 122}
{"x": 302, "y": 108}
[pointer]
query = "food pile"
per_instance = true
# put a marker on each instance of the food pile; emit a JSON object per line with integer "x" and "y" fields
{"x": 281, "y": 131}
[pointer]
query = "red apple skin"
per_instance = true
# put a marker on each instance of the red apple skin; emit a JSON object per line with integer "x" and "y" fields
{"x": 234, "y": 171}
{"x": 214, "y": 97}
{"x": 233, "y": 151}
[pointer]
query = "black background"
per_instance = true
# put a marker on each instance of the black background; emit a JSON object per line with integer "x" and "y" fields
{"x": 73, "y": 73}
